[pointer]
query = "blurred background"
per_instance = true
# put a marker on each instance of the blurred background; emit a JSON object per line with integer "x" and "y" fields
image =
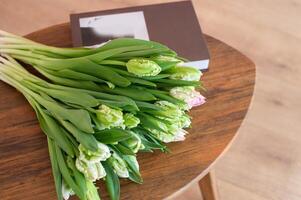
{"x": 265, "y": 161}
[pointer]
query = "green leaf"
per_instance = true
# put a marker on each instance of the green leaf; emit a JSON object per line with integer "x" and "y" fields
{"x": 147, "y": 106}
{"x": 122, "y": 72}
{"x": 112, "y": 181}
{"x": 112, "y": 62}
{"x": 136, "y": 94}
{"x": 124, "y": 150}
{"x": 67, "y": 175}
{"x": 135, "y": 177}
{"x": 81, "y": 64}
{"x": 87, "y": 140}
{"x": 176, "y": 83}
{"x": 53, "y": 130}
{"x": 74, "y": 97}
{"x": 141, "y": 81}
{"x": 148, "y": 140}
{"x": 118, "y": 104}
{"x": 92, "y": 193}
{"x": 99, "y": 71}
{"x": 88, "y": 85}
{"x": 79, "y": 177}
{"x": 70, "y": 74}
{"x": 151, "y": 145}
{"x": 80, "y": 118}
{"x": 104, "y": 54}
{"x": 167, "y": 65}
{"x": 55, "y": 169}
{"x": 140, "y": 53}
{"x": 111, "y": 136}
{"x": 151, "y": 122}
{"x": 127, "y": 42}
{"x": 159, "y": 76}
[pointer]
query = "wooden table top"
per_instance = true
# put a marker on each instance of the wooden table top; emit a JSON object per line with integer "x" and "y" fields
{"x": 25, "y": 171}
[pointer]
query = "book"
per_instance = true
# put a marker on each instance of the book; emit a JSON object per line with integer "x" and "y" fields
{"x": 172, "y": 24}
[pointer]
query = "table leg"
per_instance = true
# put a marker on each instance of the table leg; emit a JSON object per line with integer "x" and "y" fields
{"x": 208, "y": 187}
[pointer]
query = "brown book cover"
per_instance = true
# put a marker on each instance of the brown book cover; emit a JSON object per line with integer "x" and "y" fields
{"x": 173, "y": 24}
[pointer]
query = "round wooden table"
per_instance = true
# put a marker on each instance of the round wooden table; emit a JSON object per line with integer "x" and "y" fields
{"x": 25, "y": 171}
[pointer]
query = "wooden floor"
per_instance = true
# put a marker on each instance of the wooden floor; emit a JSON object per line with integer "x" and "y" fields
{"x": 265, "y": 161}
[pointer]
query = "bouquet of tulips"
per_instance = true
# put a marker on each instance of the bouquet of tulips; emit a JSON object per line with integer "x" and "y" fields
{"x": 100, "y": 107}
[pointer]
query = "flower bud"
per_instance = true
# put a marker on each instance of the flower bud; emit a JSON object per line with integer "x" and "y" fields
{"x": 130, "y": 121}
{"x": 66, "y": 190}
{"x": 185, "y": 121}
{"x": 174, "y": 135}
{"x": 92, "y": 171}
{"x": 102, "y": 153}
{"x": 119, "y": 165}
{"x": 143, "y": 67}
{"x": 168, "y": 109}
{"x": 179, "y": 135}
{"x": 134, "y": 143}
{"x": 185, "y": 73}
{"x": 109, "y": 117}
{"x": 163, "y": 136}
{"x": 189, "y": 95}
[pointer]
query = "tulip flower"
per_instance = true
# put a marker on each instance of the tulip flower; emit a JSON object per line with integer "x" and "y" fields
{"x": 92, "y": 171}
{"x": 133, "y": 143}
{"x": 161, "y": 135}
{"x": 172, "y": 113}
{"x": 174, "y": 134}
{"x": 189, "y": 95}
{"x": 179, "y": 135}
{"x": 109, "y": 117}
{"x": 168, "y": 109}
{"x": 102, "y": 153}
{"x": 185, "y": 121}
{"x": 143, "y": 67}
{"x": 185, "y": 73}
{"x": 130, "y": 121}
{"x": 119, "y": 165}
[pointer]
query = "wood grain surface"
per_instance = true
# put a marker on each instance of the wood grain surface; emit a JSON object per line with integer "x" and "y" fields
{"x": 25, "y": 171}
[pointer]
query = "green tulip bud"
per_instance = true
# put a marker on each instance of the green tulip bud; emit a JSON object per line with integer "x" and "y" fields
{"x": 130, "y": 121}
{"x": 179, "y": 135}
{"x": 143, "y": 67}
{"x": 109, "y": 117}
{"x": 92, "y": 171}
{"x": 102, "y": 153}
{"x": 119, "y": 165}
{"x": 174, "y": 135}
{"x": 185, "y": 121}
{"x": 169, "y": 110}
{"x": 66, "y": 190}
{"x": 185, "y": 73}
{"x": 133, "y": 143}
{"x": 163, "y": 136}
{"x": 189, "y": 95}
